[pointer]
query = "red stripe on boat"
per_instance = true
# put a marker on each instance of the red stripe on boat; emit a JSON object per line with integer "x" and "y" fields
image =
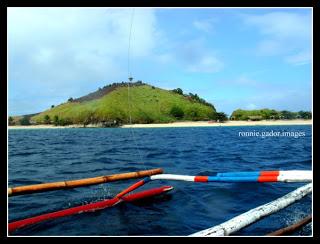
{"x": 147, "y": 193}
{"x": 62, "y": 213}
{"x": 201, "y": 178}
{"x": 269, "y": 173}
{"x": 131, "y": 188}
{"x": 268, "y": 178}
{"x": 89, "y": 207}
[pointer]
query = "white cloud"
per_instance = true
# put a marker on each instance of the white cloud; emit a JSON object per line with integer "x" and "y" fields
{"x": 270, "y": 47}
{"x": 165, "y": 58}
{"x": 196, "y": 57}
{"x": 251, "y": 106}
{"x": 203, "y": 25}
{"x": 293, "y": 99}
{"x": 281, "y": 25}
{"x": 99, "y": 31}
{"x": 300, "y": 58}
{"x": 207, "y": 64}
{"x": 206, "y": 24}
{"x": 191, "y": 56}
{"x": 245, "y": 80}
{"x": 70, "y": 48}
{"x": 44, "y": 55}
{"x": 282, "y": 34}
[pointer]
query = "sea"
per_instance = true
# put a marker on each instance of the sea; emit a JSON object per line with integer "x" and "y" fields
{"x": 48, "y": 155}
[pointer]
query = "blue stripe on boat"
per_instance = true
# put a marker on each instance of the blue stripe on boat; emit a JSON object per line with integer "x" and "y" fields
{"x": 233, "y": 179}
{"x": 239, "y": 174}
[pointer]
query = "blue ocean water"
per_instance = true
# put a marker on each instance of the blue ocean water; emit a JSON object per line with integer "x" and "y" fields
{"x": 48, "y": 155}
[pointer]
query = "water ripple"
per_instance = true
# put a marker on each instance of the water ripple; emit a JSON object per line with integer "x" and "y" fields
{"x": 37, "y": 156}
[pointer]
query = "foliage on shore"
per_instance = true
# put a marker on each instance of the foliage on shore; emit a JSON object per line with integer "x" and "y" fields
{"x": 263, "y": 114}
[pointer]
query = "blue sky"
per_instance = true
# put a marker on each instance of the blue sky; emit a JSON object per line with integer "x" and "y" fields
{"x": 247, "y": 58}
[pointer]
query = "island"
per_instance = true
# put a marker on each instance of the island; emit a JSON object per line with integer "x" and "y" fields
{"x": 138, "y": 104}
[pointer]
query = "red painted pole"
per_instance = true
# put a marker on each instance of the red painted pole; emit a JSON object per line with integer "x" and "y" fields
{"x": 88, "y": 208}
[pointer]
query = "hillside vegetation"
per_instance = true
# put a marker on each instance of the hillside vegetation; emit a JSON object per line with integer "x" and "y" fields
{"x": 261, "y": 114}
{"x": 112, "y": 104}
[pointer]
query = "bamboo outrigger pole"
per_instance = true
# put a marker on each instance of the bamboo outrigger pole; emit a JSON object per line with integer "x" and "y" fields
{"x": 81, "y": 182}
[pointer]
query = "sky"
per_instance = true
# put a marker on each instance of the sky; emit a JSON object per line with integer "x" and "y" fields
{"x": 248, "y": 58}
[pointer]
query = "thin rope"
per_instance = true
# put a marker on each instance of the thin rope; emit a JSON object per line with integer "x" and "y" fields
{"x": 129, "y": 70}
{"x": 141, "y": 155}
{"x": 129, "y": 100}
{"x": 129, "y": 46}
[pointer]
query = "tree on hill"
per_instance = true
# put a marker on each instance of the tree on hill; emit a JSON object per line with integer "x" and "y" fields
{"x": 11, "y": 121}
{"x": 70, "y": 99}
{"x": 61, "y": 121}
{"x": 177, "y": 112}
{"x": 52, "y": 106}
{"x": 194, "y": 96}
{"x": 88, "y": 118}
{"x": 287, "y": 115}
{"x": 47, "y": 119}
{"x": 304, "y": 115}
{"x": 221, "y": 117}
{"x": 268, "y": 113}
{"x": 56, "y": 120}
{"x": 193, "y": 114}
{"x": 25, "y": 121}
{"x": 178, "y": 91}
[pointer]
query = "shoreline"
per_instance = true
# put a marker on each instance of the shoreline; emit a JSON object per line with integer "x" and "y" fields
{"x": 216, "y": 124}
{"x": 178, "y": 124}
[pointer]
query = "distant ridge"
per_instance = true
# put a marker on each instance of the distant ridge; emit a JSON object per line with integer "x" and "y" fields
{"x": 106, "y": 90}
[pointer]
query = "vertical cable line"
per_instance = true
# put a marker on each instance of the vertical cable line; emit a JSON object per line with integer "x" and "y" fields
{"x": 129, "y": 45}
{"x": 130, "y": 79}
{"x": 129, "y": 68}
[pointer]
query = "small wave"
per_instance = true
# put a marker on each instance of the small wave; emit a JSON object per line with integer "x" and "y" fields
{"x": 200, "y": 151}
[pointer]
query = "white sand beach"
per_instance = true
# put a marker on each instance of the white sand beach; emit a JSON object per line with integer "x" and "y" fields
{"x": 45, "y": 126}
{"x": 228, "y": 123}
{"x": 178, "y": 124}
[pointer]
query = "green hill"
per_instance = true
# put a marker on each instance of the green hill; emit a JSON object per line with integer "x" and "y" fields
{"x": 147, "y": 104}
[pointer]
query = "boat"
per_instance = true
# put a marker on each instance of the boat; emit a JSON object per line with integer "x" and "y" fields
{"x": 226, "y": 228}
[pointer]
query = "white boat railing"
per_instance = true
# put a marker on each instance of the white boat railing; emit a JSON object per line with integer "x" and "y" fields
{"x": 239, "y": 222}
